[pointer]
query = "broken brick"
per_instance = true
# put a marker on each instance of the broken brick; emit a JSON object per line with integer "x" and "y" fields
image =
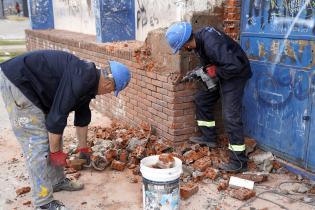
{"x": 198, "y": 176}
{"x": 211, "y": 173}
{"x": 202, "y": 164}
{"x": 27, "y": 203}
{"x": 166, "y": 158}
{"x": 187, "y": 190}
{"x": 23, "y": 190}
{"x": 139, "y": 152}
{"x": 133, "y": 180}
{"x": 223, "y": 185}
{"x": 253, "y": 177}
{"x": 192, "y": 156}
{"x": 123, "y": 157}
{"x": 117, "y": 165}
{"x": 110, "y": 154}
{"x": 76, "y": 164}
{"x": 276, "y": 165}
{"x": 136, "y": 170}
{"x": 76, "y": 175}
{"x": 242, "y": 194}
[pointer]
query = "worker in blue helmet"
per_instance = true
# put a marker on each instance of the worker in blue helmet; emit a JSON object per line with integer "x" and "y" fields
{"x": 228, "y": 64}
{"x": 40, "y": 89}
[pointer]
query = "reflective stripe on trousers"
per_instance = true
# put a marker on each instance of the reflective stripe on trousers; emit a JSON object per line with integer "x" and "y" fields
{"x": 28, "y": 125}
{"x": 206, "y": 123}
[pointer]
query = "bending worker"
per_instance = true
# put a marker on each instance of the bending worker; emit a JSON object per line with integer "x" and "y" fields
{"x": 230, "y": 66}
{"x": 40, "y": 89}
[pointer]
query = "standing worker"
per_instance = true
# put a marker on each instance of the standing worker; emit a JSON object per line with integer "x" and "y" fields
{"x": 228, "y": 64}
{"x": 40, "y": 89}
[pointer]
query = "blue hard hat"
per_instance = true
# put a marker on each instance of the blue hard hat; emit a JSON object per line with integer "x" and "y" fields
{"x": 121, "y": 75}
{"x": 178, "y": 34}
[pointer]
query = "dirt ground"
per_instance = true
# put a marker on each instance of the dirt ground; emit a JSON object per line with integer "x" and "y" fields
{"x": 112, "y": 190}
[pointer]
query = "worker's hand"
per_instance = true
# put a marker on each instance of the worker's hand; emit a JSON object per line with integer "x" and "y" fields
{"x": 85, "y": 153}
{"x": 211, "y": 71}
{"x": 58, "y": 158}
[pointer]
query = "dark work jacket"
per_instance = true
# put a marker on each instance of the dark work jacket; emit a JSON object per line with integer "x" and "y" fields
{"x": 215, "y": 47}
{"x": 57, "y": 82}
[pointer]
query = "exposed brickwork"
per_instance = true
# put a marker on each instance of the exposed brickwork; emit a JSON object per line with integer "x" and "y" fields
{"x": 153, "y": 95}
{"x": 150, "y": 97}
{"x": 232, "y": 14}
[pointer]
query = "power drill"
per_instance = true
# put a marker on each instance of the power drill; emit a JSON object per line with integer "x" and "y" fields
{"x": 200, "y": 73}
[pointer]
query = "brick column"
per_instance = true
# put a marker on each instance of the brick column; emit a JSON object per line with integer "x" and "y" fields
{"x": 41, "y": 14}
{"x": 231, "y": 16}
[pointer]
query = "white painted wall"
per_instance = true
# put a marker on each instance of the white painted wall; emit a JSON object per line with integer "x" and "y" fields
{"x": 74, "y": 15}
{"x": 152, "y": 14}
{"x": 78, "y": 15}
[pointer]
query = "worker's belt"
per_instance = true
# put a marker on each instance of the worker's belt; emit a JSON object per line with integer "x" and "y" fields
{"x": 206, "y": 123}
{"x": 237, "y": 148}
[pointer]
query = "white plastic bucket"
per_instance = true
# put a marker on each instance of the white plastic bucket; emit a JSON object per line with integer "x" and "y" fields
{"x": 160, "y": 186}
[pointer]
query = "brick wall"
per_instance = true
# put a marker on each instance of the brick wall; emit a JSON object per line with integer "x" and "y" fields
{"x": 153, "y": 95}
{"x": 232, "y": 16}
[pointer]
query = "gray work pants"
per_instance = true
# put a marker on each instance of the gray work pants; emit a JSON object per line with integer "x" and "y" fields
{"x": 28, "y": 125}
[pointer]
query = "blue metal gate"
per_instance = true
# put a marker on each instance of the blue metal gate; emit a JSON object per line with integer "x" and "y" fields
{"x": 278, "y": 37}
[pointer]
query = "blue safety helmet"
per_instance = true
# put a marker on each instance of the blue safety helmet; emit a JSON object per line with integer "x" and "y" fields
{"x": 178, "y": 34}
{"x": 121, "y": 75}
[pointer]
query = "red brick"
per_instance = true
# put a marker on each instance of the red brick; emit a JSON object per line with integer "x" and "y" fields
{"x": 242, "y": 194}
{"x": 211, "y": 173}
{"x": 117, "y": 165}
{"x": 162, "y": 78}
{"x": 151, "y": 87}
{"x": 157, "y": 107}
{"x": 162, "y": 91}
{"x": 223, "y": 185}
{"x": 187, "y": 190}
{"x": 157, "y": 83}
{"x": 202, "y": 164}
{"x": 157, "y": 95}
{"x": 151, "y": 75}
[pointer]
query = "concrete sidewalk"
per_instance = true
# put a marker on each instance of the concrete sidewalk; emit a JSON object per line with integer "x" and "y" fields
{"x": 11, "y": 29}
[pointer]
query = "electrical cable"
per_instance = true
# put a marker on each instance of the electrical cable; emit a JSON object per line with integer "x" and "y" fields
{"x": 273, "y": 191}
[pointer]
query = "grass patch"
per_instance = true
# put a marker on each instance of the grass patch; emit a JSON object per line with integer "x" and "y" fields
{"x": 16, "y": 18}
{"x": 12, "y": 42}
{"x": 2, "y": 59}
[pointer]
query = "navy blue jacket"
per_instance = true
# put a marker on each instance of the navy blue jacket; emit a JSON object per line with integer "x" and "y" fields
{"x": 57, "y": 82}
{"x": 215, "y": 47}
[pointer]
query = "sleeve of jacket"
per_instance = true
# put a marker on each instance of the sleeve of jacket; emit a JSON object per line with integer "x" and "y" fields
{"x": 227, "y": 56}
{"x": 74, "y": 84}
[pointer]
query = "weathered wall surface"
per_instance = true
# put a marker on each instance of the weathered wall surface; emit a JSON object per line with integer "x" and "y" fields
{"x": 152, "y": 14}
{"x": 75, "y": 15}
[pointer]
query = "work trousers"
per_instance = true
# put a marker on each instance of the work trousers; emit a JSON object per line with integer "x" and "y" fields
{"x": 28, "y": 125}
{"x": 231, "y": 93}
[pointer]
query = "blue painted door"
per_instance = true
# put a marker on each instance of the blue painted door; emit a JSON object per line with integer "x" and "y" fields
{"x": 278, "y": 37}
{"x": 115, "y": 20}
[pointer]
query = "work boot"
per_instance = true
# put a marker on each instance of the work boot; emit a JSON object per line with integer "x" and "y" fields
{"x": 53, "y": 205}
{"x": 68, "y": 185}
{"x": 237, "y": 162}
{"x": 202, "y": 140}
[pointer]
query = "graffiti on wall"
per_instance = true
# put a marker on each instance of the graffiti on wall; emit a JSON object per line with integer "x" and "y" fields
{"x": 40, "y": 10}
{"x": 278, "y": 15}
{"x": 115, "y": 20}
{"x": 41, "y": 14}
{"x": 74, "y": 15}
{"x": 278, "y": 37}
{"x": 151, "y": 14}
